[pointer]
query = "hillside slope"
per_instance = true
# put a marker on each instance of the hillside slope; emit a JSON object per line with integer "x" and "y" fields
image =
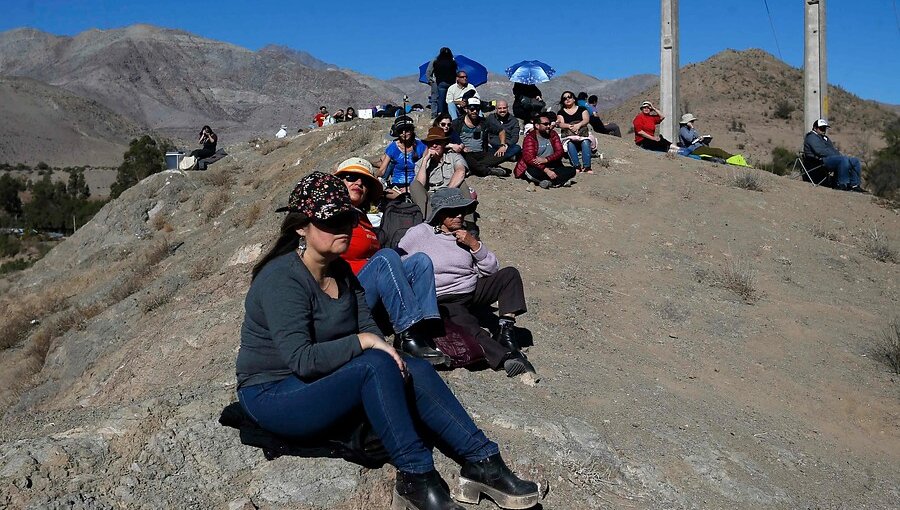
{"x": 662, "y": 388}
{"x": 175, "y": 82}
{"x": 734, "y": 88}
{"x": 49, "y": 124}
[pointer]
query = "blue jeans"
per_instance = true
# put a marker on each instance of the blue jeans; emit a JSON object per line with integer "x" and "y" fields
{"x": 847, "y": 169}
{"x": 451, "y": 109}
{"x": 295, "y": 408}
{"x": 512, "y": 150}
{"x": 404, "y": 287}
{"x": 572, "y": 148}
{"x": 442, "y": 96}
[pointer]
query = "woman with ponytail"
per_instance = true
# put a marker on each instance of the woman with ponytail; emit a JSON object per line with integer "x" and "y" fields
{"x": 311, "y": 354}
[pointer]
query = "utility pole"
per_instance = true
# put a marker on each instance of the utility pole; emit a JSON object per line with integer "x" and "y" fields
{"x": 815, "y": 94}
{"x": 668, "y": 68}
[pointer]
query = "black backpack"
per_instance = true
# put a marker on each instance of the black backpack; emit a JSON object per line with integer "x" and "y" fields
{"x": 354, "y": 442}
{"x": 398, "y": 217}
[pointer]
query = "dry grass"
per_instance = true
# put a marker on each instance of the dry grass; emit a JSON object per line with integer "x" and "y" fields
{"x": 155, "y": 300}
{"x": 740, "y": 278}
{"x": 748, "y": 180}
{"x": 214, "y": 204}
{"x": 821, "y": 231}
{"x": 268, "y": 147}
{"x": 877, "y": 246}
{"x": 219, "y": 178}
{"x": 136, "y": 276}
{"x": 887, "y": 347}
{"x": 251, "y": 215}
{"x": 22, "y": 314}
{"x": 202, "y": 269}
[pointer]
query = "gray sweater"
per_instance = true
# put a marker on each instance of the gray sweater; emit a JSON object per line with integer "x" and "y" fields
{"x": 493, "y": 125}
{"x": 292, "y": 327}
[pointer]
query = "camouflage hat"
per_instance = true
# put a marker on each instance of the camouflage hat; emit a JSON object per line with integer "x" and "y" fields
{"x": 319, "y": 196}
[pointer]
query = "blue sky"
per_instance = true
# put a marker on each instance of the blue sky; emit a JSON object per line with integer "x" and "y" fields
{"x": 604, "y": 38}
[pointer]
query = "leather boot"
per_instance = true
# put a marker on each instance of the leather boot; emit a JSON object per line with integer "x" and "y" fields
{"x": 418, "y": 346}
{"x": 491, "y": 477}
{"x": 425, "y": 491}
{"x": 506, "y": 336}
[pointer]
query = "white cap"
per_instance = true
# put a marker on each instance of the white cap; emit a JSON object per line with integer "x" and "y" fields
{"x": 820, "y": 124}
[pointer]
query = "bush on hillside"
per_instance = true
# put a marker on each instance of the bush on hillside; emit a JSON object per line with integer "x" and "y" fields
{"x": 883, "y": 175}
{"x": 9, "y": 195}
{"x": 55, "y": 207}
{"x": 144, "y": 157}
{"x": 783, "y": 110}
{"x": 782, "y": 161}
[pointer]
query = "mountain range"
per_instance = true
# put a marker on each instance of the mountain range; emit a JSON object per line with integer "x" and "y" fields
{"x": 172, "y": 82}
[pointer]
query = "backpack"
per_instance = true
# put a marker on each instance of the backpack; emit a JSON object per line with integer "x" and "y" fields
{"x": 461, "y": 347}
{"x": 399, "y": 216}
{"x": 356, "y": 442}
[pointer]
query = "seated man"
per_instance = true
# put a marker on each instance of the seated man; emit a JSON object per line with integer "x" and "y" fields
{"x": 438, "y": 169}
{"x": 597, "y": 123}
{"x": 470, "y": 128}
{"x": 503, "y": 132}
{"x": 541, "y": 161}
{"x": 455, "y": 93}
{"x": 817, "y": 145}
{"x": 468, "y": 279}
{"x": 645, "y": 129}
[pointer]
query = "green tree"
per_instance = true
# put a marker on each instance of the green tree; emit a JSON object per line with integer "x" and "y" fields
{"x": 883, "y": 175}
{"x": 77, "y": 187}
{"x": 9, "y": 195}
{"x": 144, "y": 157}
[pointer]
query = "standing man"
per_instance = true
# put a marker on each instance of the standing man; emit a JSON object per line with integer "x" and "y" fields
{"x": 817, "y": 145}
{"x": 541, "y": 161}
{"x": 470, "y": 128}
{"x": 645, "y": 129}
{"x": 455, "y": 93}
{"x": 503, "y": 132}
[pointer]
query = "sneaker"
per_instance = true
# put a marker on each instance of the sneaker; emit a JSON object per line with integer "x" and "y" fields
{"x": 517, "y": 364}
{"x": 858, "y": 189}
{"x": 545, "y": 184}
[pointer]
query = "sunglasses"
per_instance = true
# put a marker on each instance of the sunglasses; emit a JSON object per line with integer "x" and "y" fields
{"x": 353, "y": 178}
{"x": 544, "y": 123}
{"x": 453, "y": 213}
{"x": 461, "y": 76}
{"x": 568, "y": 97}
{"x": 340, "y": 224}
{"x": 472, "y": 108}
{"x": 444, "y": 124}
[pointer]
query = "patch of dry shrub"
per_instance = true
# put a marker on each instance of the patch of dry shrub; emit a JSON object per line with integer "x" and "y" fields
{"x": 252, "y": 214}
{"x": 740, "y": 279}
{"x": 20, "y": 314}
{"x": 219, "y": 178}
{"x": 748, "y": 180}
{"x": 214, "y": 204}
{"x": 877, "y": 246}
{"x": 887, "y": 347}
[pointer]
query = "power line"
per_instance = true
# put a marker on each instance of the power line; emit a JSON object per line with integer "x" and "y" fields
{"x": 774, "y": 33}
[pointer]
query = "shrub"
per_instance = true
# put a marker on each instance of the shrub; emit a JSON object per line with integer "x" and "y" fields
{"x": 877, "y": 246}
{"x": 740, "y": 278}
{"x": 883, "y": 175}
{"x": 887, "y": 347}
{"x": 748, "y": 180}
{"x": 783, "y": 110}
{"x": 144, "y": 157}
{"x": 214, "y": 204}
{"x": 782, "y": 161}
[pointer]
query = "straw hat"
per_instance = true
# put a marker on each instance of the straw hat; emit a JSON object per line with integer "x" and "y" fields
{"x": 363, "y": 168}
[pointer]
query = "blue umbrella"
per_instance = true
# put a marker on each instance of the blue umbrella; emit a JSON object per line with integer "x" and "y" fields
{"x": 476, "y": 72}
{"x": 530, "y": 72}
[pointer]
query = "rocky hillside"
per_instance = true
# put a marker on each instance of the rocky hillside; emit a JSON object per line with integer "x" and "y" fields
{"x": 738, "y": 96}
{"x": 610, "y": 93}
{"x": 49, "y": 124}
{"x": 175, "y": 82}
{"x": 701, "y": 345}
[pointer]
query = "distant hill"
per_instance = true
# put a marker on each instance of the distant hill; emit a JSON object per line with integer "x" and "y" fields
{"x": 174, "y": 81}
{"x": 46, "y": 123}
{"x": 611, "y": 93}
{"x": 743, "y": 90}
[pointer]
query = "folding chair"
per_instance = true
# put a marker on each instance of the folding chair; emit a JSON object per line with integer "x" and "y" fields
{"x": 814, "y": 170}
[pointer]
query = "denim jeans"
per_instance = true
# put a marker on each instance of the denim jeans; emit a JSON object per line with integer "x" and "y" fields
{"x": 433, "y": 100}
{"x": 404, "y": 287}
{"x": 512, "y": 150}
{"x": 296, "y": 408}
{"x": 572, "y": 148}
{"x": 847, "y": 169}
{"x": 442, "y": 96}
{"x": 451, "y": 109}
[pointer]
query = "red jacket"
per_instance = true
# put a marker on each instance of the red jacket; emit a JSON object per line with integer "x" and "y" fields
{"x": 530, "y": 148}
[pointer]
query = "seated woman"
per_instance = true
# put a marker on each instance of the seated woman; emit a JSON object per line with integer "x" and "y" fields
{"x": 444, "y": 122}
{"x": 404, "y": 288}
{"x": 208, "y": 140}
{"x": 350, "y": 114}
{"x": 398, "y": 164}
{"x": 644, "y": 125}
{"x": 311, "y": 355}
{"x": 692, "y": 143}
{"x": 467, "y": 277}
{"x": 573, "y": 121}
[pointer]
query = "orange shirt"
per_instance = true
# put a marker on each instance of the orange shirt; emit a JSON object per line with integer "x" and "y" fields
{"x": 363, "y": 244}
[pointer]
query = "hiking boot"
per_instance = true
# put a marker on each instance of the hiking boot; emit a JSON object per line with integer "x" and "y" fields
{"x": 858, "y": 189}
{"x": 842, "y": 187}
{"x": 419, "y": 346}
{"x": 545, "y": 184}
{"x": 426, "y": 491}
{"x": 517, "y": 364}
{"x": 506, "y": 336}
{"x": 492, "y": 478}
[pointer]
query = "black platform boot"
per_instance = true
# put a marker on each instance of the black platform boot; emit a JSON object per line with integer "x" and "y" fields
{"x": 491, "y": 477}
{"x": 506, "y": 336}
{"x": 425, "y": 491}
{"x": 418, "y": 346}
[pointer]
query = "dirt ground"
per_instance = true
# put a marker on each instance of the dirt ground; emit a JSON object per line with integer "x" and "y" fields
{"x": 700, "y": 345}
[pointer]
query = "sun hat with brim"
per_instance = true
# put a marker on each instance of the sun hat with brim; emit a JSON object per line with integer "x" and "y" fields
{"x": 447, "y": 198}
{"x": 687, "y": 117}
{"x": 436, "y": 134}
{"x": 647, "y": 104}
{"x": 364, "y": 169}
{"x": 319, "y": 196}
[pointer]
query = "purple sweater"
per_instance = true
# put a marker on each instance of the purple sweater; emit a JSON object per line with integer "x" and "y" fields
{"x": 456, "y": 269}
